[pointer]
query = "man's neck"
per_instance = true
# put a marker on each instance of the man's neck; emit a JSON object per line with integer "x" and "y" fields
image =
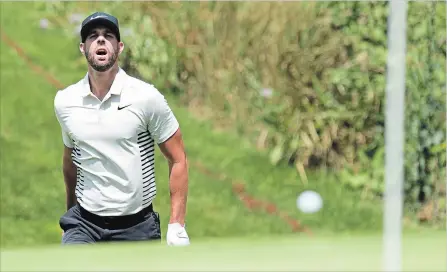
{"x": 101, "y": 82}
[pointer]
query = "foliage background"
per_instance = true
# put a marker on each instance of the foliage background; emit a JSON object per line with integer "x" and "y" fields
{"x": 290, "y": 95}
{"x": 311, "y": 92}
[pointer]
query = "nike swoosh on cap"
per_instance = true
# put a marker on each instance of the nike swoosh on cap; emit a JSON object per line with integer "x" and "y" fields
{"x": 99, "y": 16}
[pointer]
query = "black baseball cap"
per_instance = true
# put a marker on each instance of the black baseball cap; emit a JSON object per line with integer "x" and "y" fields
{"x": 97, "y": 19}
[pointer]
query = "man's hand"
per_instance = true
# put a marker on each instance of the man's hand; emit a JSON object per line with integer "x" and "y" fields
{"x": 177, "y": 235}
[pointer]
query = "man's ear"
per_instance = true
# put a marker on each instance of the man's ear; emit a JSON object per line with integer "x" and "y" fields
{"x": 82, "y": 48}
{"x": 120, "y": 47}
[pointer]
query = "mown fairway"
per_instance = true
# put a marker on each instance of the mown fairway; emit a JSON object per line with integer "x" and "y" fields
{"x": 421, "y": 253}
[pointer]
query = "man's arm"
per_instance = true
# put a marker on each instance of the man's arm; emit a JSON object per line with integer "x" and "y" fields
{"x": 174, "y": 151}
{"x": 69, "y": 170}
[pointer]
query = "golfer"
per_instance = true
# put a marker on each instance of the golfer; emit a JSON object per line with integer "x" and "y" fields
{"x": 110, "y": 124}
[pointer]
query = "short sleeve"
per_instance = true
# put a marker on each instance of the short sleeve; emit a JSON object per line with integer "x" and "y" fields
{"x": 66, "y": 139}
{"x": 161, "y": 121}
{"x": 68, "y": 142}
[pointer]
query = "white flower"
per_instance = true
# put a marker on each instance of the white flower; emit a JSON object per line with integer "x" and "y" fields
{"x": 75, "y": 18}
{"x": 127, "y": 32}
{"x": 266, "y": 92}
{"x": 44, "y": 23}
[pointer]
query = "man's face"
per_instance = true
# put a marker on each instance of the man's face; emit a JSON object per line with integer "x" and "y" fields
{"x": 101, "y": 49}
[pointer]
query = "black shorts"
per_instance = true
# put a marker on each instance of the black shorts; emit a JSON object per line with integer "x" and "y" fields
{"x": 83, "y": 227}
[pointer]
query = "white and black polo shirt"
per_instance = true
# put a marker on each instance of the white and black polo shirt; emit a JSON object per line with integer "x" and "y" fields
{"x": 113, "y": 142}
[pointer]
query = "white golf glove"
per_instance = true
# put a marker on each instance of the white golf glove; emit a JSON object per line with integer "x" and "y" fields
{"x": 177, "y": 235}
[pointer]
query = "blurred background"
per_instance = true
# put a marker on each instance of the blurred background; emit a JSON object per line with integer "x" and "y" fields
{"x": 274, "y": 98}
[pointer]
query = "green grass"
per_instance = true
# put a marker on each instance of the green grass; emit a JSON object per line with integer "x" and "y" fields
{"x": 32, "y": 191}
{"x": 420, "y": 253}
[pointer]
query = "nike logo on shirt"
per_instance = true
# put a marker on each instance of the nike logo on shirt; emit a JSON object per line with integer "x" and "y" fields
{"x": 120, "y": 108}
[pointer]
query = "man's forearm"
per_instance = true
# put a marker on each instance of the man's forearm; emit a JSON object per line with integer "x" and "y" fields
{"x": 178, "y": 185}
{"x": 70, "y": 187}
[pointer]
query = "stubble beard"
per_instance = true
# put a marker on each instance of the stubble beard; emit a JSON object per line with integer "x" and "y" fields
{"x": 101, "y": 67}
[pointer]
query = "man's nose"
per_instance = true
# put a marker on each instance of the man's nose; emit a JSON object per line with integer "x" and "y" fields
{"x": 101, "y": 39}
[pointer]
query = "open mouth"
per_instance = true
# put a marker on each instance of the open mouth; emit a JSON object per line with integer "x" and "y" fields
{"x": 101, "y": 52}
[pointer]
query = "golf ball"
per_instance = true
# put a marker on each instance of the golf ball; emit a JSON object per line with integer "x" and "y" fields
{"x": 309, "y": 202}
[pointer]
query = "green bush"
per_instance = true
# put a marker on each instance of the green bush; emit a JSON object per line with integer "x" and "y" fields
{"x": 425, "y": 103}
